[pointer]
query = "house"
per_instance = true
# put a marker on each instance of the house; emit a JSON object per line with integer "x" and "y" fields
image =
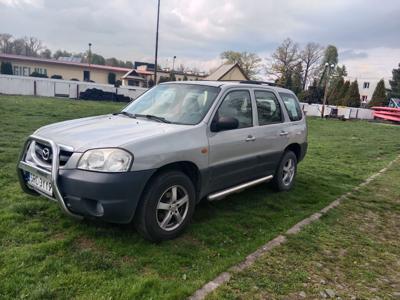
{"x": 366, "y": 87}
{"x": 228, "y": 72}
{"x": 66, "y": 68}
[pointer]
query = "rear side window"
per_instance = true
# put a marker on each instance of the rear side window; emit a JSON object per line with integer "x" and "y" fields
{"x": 268, "y": 108}
{"x": 292, "y": 106}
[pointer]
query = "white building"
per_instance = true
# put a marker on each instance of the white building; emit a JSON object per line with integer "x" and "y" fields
{"x": 367, "y": 86}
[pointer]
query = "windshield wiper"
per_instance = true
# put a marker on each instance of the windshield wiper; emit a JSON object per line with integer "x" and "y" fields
{"x": 152, "y": 117}
{"x": 125, "y": 113}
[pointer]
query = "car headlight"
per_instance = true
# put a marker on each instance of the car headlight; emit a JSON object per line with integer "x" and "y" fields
{"x": 106, "y": 160}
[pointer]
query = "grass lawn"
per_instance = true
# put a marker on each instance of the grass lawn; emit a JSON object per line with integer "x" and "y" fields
{"x": 44, "y": 254}
{"x": 351, "y": 253}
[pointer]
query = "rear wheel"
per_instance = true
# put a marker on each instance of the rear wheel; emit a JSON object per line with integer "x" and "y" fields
{"x": 286, "y": 172}
{"x": 167, "y": 207}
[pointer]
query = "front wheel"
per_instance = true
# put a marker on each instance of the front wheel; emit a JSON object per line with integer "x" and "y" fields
{"x": 167, "y": 207}
{"x": 286, "y": 172}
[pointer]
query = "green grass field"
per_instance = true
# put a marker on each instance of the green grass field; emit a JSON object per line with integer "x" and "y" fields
{"x": 46, "y": 255}
{"x": 351, "y": 253}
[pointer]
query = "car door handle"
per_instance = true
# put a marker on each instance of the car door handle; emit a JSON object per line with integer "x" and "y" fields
{"x": 250, "y": 138}
{"x": 283, "y": 133}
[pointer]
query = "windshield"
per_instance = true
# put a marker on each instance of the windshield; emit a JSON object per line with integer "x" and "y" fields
{"x": 175, "y": 103}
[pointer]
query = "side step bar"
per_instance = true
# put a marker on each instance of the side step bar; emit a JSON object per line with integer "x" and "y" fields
{"x": 238, "y": 188}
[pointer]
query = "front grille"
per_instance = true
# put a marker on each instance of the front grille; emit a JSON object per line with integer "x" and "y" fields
{"x": 44, "y": 154}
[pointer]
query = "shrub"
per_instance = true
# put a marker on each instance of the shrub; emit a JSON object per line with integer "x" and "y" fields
{"x": 39, "y": 75}
{"x": 112, "y": 78}
{"x": 56, "y": 76}
{"x": 118, "y": 83}
{"x": 163, "y": 79}
{"x": 6, "y": 68}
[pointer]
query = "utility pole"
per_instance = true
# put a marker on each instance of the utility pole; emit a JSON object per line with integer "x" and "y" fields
{"x": 90, "y": 54}
{"x": 156, "y": 54}
{"x": 173, "y": 63}
{"x": 328, "y": 73}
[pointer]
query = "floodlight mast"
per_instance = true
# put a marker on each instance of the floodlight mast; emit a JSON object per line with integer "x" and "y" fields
{"x": 156, "y": 54}
{"x": 329, "y": 68}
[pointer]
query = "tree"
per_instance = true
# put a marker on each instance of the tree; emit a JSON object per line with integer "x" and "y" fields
{"x": 343, "y": 92}
{"x": 310, "y": 57}
{"x": 334, "y": 95}
{"x": 112, "y": 61}
{"x": 283, "y": 61}
{"x": 6, "y": 68}
{"x": 379, "y": 97}
{"x": 297, "y": 79}
{"x": 61, "y": 53}
{"x": 314, "y": 92}
{"x": 172, "y": 76}
{"x": 352, "y": 98}
{"x": 18, "y": 47}
{"x": 330, "y": 58}
{"x": 96, "y": 59}
{"x": 46, "y": 53}
{"x": 331, "y": 55}
{"x": 6, "y": 43}
{"x": 336, "y": 82}
{"x": 129, "y": 64}
{"x": 250, "y": 63}
{"x": 185, "y": 78}
{"x": 112, "y": 78}
{"x": 395, "y": 83}
{"x": 33, "y": 46}
{"x": 181, "y": 68}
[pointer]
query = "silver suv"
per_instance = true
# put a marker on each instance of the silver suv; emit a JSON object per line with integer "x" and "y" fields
{"x": 178, "y": 143}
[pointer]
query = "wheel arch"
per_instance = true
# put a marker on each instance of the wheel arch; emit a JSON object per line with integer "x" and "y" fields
{"x": 296, "y": 149}
{"x": 189, "y": 168}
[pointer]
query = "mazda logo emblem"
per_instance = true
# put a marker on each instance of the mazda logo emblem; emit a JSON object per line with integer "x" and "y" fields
{"x": 46, "y": 153}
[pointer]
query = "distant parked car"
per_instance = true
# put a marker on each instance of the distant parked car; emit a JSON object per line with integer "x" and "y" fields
{"x": 178, "y": 143}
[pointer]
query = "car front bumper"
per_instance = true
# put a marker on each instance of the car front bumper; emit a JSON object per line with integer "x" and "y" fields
{"x": 112, "y": 197}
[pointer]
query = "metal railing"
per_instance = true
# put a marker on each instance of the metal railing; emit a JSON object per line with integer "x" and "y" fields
{"x": 52, "y": 175}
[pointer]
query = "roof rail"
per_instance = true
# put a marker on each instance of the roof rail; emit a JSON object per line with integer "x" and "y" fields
{"x": 260, "y": 82}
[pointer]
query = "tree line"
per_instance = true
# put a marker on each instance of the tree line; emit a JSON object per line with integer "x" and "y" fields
{"x": 310, "y": 72}
{"x": 33, "y": 47}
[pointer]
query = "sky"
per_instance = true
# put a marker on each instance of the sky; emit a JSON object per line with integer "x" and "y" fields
{"x": 366, "y": 32}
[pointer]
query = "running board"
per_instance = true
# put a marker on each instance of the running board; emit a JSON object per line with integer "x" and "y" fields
{"x": 238, "y": 188}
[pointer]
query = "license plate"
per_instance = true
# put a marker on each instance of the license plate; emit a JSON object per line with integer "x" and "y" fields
{"x": 40, "y": 183}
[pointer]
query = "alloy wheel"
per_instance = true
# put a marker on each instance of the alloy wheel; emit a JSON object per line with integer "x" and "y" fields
{"x": 172, "y": 208}
{"x": 289, "y": 170}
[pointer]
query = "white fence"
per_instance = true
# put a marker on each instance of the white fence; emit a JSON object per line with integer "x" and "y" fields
{"x": 32, "y": 86}
{"x": 346, "y": 112}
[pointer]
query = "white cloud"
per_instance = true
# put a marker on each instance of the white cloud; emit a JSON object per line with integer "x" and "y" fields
{"x": 198, "y": 31}
{"x": 21, "y": 3}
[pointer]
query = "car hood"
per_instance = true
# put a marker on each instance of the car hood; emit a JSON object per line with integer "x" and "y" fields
{"x": 105, "y": 131}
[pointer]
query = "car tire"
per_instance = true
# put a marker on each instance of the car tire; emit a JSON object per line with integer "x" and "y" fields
{"x": 286, "y": 172}
{"x": 166, "y": 207}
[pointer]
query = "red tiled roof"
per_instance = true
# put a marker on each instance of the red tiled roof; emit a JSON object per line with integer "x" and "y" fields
{"x": 59, "y": 62}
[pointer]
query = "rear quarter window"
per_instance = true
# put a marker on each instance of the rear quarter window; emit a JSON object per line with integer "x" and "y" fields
{"x": 292, "y": 106}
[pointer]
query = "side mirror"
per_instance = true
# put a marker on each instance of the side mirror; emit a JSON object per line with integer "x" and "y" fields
{"x": 224, "y": 123}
